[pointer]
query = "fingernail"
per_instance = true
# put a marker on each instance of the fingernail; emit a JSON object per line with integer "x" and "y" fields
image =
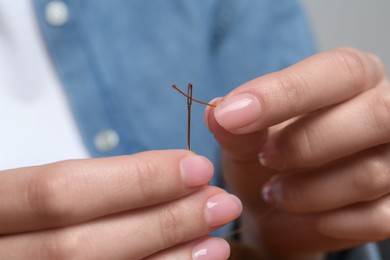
{"x": 211, "y": 249}
{"x": 238, "y": 111}
{"x": 271, "y": 158}
{"x": 267, "y": 193}
{"x": 196, "y": 170}
{"x": 221, "y": 209}
{"x": 272, "y": 192}
{"x": 262, "y": 159}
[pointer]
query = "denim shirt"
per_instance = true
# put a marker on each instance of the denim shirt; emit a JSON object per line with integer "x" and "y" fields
{"x": 117, "y": 61}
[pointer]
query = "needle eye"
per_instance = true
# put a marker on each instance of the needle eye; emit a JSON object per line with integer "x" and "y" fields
{"x": 189, "y": 103}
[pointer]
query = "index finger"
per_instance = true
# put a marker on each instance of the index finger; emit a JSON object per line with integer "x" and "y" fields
{"x": 320, "y": 81}
{"x": 70, "y": 192}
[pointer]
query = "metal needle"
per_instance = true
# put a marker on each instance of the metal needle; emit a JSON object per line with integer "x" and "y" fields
{"x": 189, "y": 103}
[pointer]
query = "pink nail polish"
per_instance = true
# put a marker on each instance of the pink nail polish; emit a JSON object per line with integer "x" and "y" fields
{"x": 238, "y": 111}
{"x": 270, "y": 157}
{"x": 211, "y": 249}
{"x": 221, "y": 209}
{"x": 267, "y": 193}
{"x": 262, "y": 159}
{"x": 196, "y": 170}
{"x": 272, "y": 192}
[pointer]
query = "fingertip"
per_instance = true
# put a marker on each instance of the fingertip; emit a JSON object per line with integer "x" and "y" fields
{"x": 271, "y": 158}
{"x": 222, "y": 208}
{"x": 272, "y": 192}
{"x": 196, "y": 170}
{"x": 212, "y": 248}
{"x": 208, "y": 109}
{"x": 239, "y": 112}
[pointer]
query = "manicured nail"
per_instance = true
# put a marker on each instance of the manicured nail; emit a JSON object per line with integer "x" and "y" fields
{"x": 212, "y": 249}
{"x": 271, "y": 158}
{"x": 196, "y": 170}
{"x": 221, "y": 209}
{"x": 262, "y": 159}
{"x": 267, "y": 193}
{"x": 272, "y": 192}
{"x": 238, "y": 111}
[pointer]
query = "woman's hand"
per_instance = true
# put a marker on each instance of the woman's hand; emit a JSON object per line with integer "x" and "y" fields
{"x": 154, "y": 204}
{"x": 315, "y": 139}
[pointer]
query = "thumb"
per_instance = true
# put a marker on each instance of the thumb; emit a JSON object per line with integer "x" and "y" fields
{"x": 244, "y": 147}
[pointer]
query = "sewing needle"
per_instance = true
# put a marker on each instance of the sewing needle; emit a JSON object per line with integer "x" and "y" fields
{"x": 189, "y": 103}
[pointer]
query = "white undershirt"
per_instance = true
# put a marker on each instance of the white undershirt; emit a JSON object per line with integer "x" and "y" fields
{"x": 36, "y": 125}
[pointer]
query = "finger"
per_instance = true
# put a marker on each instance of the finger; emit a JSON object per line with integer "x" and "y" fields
{"x": 240, "y": 147}
{"x": 75, "y": 191}
{"x": 322, "y": 137}
{"x": 360, "y": 178}
{"x": 204, "y": 248}
{"x": 132, "y": 235}
{"x": 240, "y": 162}
{"x": 320, "y": 81}
{"x": 364, "y": 222}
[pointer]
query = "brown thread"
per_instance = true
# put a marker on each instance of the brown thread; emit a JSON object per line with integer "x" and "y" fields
{"x": 193, "y": 99}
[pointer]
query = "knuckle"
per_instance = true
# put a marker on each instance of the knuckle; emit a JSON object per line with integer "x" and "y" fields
{"x": 379, "y": 232}
{"x": 293, "y": 200}
{"x": 379, "y": 215}
{"x": 63, "y": 245}
{"x": 293, "y": 89}
{"x": 45, "y": 196}
{"x": 379, "y": 114}
{"x": 353, "y": 62}
{"x": 373, "y": 179}
{"x": 323, "y": 224}
{"x": 147, "y": 179}
{"x": 303, "y": 146}
{"x": 170, "y": 226}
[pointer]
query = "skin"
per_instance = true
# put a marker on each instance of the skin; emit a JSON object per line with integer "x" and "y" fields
{"x": 307, "y": 151}
{"x": 151, "y": 205}
{"x": 312, "y": 138}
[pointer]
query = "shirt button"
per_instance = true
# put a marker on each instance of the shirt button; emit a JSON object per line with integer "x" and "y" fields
{"x": 56, "y": 13}
{"x": 106, "y": 140}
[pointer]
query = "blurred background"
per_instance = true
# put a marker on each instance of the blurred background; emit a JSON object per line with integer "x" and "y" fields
{"x": 358, "y": 23}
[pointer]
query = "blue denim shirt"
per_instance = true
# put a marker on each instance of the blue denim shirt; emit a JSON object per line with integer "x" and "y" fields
{"x": 117, "y": 60}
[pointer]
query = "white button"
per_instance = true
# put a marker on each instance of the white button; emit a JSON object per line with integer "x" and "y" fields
{"x": 56, "y": 13}
{"x": 106, "y": 140}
